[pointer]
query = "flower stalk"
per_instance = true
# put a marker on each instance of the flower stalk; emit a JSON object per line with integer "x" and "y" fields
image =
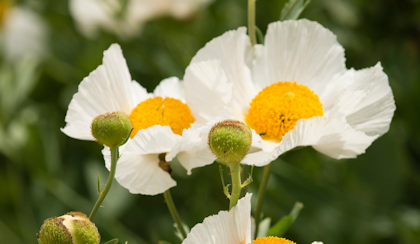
{"x": 174, "y": 213}
{"x": 235, "y": 173}
{"x": 102, "y": 194}
{"x": 261, "y": 192}
{"x": 251, "y": 21}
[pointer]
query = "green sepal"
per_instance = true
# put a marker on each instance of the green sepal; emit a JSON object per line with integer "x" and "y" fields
{"x": 113, "y": 241}
{"x": 164, "y": 242}
{"x": 260, "y": 35}
{"x": 293, "y": 9}
{"x": 264, "y": 227}
{"x": 281, "y": 227}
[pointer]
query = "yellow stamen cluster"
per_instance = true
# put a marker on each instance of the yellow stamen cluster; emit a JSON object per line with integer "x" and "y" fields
{"x": 277, "y": 108}
{"x": 161, "y": 111}
{"x": 272, "y": 240}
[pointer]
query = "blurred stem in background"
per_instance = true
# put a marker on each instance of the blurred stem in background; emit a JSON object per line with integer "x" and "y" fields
{"x": 251, "y": 21}
{"x": 174, "y": 213}
{"x": 102, "y": 193}
{"x": 261, "y": 191}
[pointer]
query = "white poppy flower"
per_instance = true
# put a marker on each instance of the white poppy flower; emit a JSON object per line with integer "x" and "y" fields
{"x": 292, "y": 91}
{"x": 22, "y": 33}
{"x": 125, "y": 18}
{"x": 230, "y": 227}
{"x": 161, "y": 121}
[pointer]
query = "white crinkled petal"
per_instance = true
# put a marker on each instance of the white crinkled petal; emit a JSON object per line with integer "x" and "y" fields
{"x": 140, "y": 173}
{"x": 302, "y": 51}
{"x": 139, "y": 93}
{"x": 333, "y": 138}
{"x": 106, "y": 89}
{"x": 193, "y": 152}
{"x": 227, "y": 227}
{"x": 317, "y": 242}
{"x": 171, "y": 87}
{"x": 207, "y": 91}
{"x": 153, "y": 140}
{"x": 233, "y": 50}
{"x": 365, "y": 100}
{"x": 138, "y": 167}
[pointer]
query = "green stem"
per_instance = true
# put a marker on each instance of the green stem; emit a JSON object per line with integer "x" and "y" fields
{"x": 235, "y": 173}
{"x": 102, "y": 194}
{"x": 174, "y": 213}
{"x": 261, "y": 191}
{"x": 251, "y": 21}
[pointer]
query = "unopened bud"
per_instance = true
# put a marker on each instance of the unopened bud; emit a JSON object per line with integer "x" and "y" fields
{"x": 71, "y": 228}
{"x": 230, "y": 141}
{"x": 111, "y": 129}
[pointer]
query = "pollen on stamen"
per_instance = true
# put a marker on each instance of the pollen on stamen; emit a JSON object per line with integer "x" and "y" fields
{"x": 272, "y": 240}
{"x": 161, "y": 111}
{"x": 277, "y": 108}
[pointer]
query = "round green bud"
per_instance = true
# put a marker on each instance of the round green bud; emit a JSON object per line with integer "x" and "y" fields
{"x": 230, "y": 141}
{"x": 71, "y": 228}
{"x": 111, "y": 129}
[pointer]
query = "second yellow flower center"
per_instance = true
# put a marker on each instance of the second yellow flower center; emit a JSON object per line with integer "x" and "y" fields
{"x": 277, "y": 108}
{"x": 272, "y": 240}
{"x": 161, "y": 111}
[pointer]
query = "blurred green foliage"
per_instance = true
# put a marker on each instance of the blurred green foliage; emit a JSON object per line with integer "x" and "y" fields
{"x": 371, "y": 199}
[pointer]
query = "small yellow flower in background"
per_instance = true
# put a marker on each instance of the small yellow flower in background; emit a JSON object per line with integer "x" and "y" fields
{"x": 293, "y": 91}
{"x": 230, "y": 227}
{"x": 161, "y": 123}
{"x": 126, "y": 17}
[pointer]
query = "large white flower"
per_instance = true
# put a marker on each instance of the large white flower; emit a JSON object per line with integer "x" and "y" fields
{"x": 293, "y": 91}
{"x": 22, "y": 33}
{"x": 161, "y": 121}
{"x": 125, "y": 17}
{"x": 230, "y": 227}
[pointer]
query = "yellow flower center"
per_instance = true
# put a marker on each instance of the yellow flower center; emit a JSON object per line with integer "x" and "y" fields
{"x": 272, "y": 240}
{"x": 277, "y": 108}
{"x": 161, "y": 111}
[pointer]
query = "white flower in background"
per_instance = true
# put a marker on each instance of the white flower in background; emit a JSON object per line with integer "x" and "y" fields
{"x": 230, "y": 227}
{"x": 125, "y": 17}
{"x": 22, "y": 33}
{"x": 161, "y": 121}
{"x": 293, "y": 91}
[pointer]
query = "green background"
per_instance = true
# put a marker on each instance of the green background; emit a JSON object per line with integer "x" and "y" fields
{"x": 372, "y": 199}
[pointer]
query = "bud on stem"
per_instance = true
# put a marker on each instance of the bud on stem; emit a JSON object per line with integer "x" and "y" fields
{"x": 111, "y": 129}
{"x": 230, "y": 141}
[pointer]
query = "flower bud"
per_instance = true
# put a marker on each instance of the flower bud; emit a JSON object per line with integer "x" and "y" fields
{"x": 230, "y": 141}
{"x": 111, "y": 129}
{"x": 71, "y": 228}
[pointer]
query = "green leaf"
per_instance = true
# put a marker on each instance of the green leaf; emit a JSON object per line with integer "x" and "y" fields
{"x": 280, "y": 228}
{"x": 264, "y": 227}
{"x": 113, "y": 241}
{"x": 293, "y": 9}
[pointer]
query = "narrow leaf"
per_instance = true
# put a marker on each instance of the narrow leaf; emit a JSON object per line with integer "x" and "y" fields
{"x": 281, "y": 227}
{"x": 293, "y": 9}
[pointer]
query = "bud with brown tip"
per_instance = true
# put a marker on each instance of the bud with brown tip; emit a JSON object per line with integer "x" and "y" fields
{"x": 71, "y": 228}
